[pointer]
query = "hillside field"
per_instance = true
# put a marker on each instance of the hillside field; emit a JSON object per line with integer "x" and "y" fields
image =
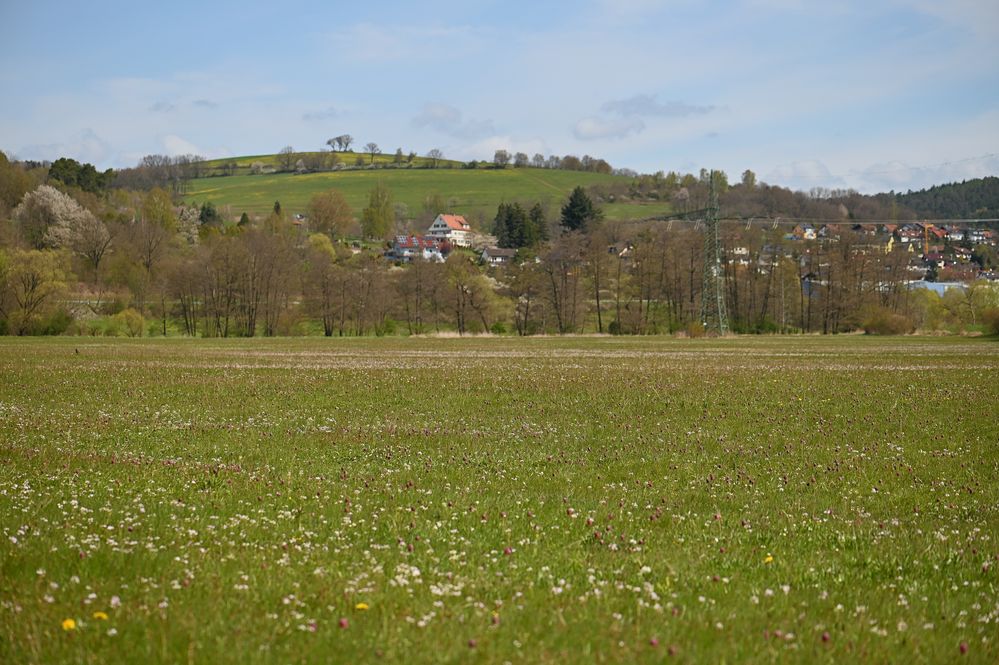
{"x": 476, "y": 193}
{"x": 647, "y": 500}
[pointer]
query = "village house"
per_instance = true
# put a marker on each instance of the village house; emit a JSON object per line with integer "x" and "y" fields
{"x": 452, "y": 228}
{"x": 803, "y": 232}
{"x": 977, "y": 236}
{"x": 498, "y": 256}
{"x": 955, "y": 234}
{"x": 406, "y": 248}
{"x": 910, "y": 233}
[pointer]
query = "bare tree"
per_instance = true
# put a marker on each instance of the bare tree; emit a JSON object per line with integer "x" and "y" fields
{"x": 372, "y": 148}
{"x": 286, "y": 158}
{"x": 330, "y": 213}
{"x": 435, "y": 156}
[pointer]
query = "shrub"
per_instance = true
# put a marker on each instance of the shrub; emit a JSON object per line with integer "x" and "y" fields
{"x": 56, "y": 323}
{"x": 130, "y": 322}
{"x": 885, "y": 322}
{"x": 990, "y": 318}
{"x": 695, "y": 329}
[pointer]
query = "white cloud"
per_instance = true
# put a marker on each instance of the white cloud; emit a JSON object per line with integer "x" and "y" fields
{"x": 327, "y": 113}
{"x": 485, "y": 148}
{"x": 174, "y": 145}
{"x": 86, "y": 146}
{"x": 803, "y": 175}
{"x": 899, "y": 176}
{"x": 592, "y": 128}
{"x": 648, "y": 105}
{"x": 448, "y": 120}
{"x": 379, "y": 43}
{"x": 973, "y": 16}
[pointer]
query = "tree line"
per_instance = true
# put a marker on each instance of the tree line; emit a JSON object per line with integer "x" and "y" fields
{"x": 134, "y": 262}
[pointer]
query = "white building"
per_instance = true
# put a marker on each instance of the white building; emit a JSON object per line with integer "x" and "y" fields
{"x": 452, "y": 228}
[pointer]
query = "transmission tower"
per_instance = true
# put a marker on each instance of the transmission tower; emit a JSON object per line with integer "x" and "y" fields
{"x": 713, "y": 314}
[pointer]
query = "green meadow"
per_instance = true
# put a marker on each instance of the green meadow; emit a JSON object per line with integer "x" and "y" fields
{"x": 475, "y": 193}
{"x": 606, "y": 500}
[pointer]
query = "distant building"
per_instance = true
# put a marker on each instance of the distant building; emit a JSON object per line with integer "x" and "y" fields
{"x": 938, "y": 287}
{"x": 407, "y": 248}
{"x": 452, "y": 228}
{"x": 803, "y": 232}
{"x": 498, "y": 256}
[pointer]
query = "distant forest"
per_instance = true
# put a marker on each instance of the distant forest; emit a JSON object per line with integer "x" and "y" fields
{"x": 978, "y": 198}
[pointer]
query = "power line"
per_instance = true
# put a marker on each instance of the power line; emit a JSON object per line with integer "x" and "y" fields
{"x": 781, "y": 220}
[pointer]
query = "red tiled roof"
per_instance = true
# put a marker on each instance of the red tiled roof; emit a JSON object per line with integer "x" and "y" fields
{"x": 414, "y": 242}
{"x": 455, "y": 222}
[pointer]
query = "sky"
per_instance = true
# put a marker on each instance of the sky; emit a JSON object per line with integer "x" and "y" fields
{"x": 873, "y": 95}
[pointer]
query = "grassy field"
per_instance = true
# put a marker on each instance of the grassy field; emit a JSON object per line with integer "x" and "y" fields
{"x": 489, "y": 500}
{"x": 244, "y": 164}
{"x": 476, "y": 192}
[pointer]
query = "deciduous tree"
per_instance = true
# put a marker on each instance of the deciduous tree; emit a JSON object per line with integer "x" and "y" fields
{"x": 286, "y": 158}
{"x": 32, "y": 283}
{"x": 435, "y": 155}
{"x": 378, "y": 217}
{"x": 329, "y": 213}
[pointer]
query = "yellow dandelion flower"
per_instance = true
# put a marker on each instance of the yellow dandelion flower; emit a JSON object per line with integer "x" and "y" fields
{"x": 68, "y": 624}
{"x": 101, "y": 616}
{"x": 361, "y": 606}
{"x": 769, "y": 559}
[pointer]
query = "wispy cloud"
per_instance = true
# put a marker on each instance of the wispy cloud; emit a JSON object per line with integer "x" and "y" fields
{"x": 379, "y": 43}
{"x": 162, "y": 107}
{"x": 648, "y": 105}
{"x": 174, "y": 145}
{"x": 205, "y": 104}
{"x": 593, "y": 128}
{"x": 449, "y": 120}
{"x": 804, "y": 175}
{"x": 86, "y": 146}
{"x": 899, "y": 176}
{"x": 327, "y": 113}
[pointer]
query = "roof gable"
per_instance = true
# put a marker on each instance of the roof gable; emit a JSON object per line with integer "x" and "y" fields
{"x": 454, "y": 222}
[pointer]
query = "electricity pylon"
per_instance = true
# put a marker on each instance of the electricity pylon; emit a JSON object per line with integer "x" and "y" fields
{"x": 713, "y": 314}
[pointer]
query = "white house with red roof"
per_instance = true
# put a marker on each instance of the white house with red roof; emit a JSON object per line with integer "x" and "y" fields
{"x": 406, "y": 248}
{"x": 452, "y": 228}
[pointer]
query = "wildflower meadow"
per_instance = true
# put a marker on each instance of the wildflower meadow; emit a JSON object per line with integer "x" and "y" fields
{"x": 499, "y": 500}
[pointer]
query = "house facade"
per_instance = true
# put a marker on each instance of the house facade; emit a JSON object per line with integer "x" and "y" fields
{"x": 452, "y": 228}
{"x": 406, "y": 248}
{"x": 498, "y": 256}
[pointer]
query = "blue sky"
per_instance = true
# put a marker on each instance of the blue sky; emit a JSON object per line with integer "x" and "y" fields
{"x": 874, "y": 95}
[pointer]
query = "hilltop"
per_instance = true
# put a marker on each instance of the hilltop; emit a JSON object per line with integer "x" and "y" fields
{"x": 474, "y": 192}
{"x": 977, "y": 198}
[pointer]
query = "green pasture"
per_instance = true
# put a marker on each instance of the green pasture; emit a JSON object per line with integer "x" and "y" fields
{"x": 475, "y": 193}
{"x": 245, "y": 163}
{"x": 489, "y": 500}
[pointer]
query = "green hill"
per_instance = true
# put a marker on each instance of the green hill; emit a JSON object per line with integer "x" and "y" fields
{"x": 474, "y": 193}
{"x": 962, "y": 200}
{"x": 243, "y": 165}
